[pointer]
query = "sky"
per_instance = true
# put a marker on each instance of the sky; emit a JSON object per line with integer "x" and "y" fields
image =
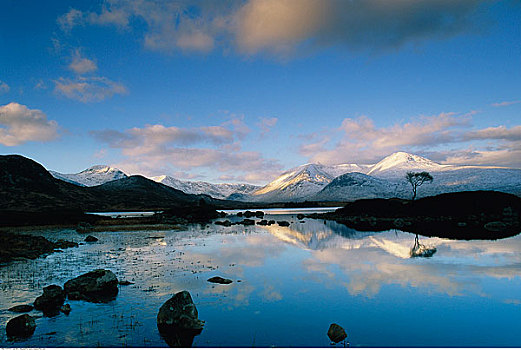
{"x": 239, "y": 91}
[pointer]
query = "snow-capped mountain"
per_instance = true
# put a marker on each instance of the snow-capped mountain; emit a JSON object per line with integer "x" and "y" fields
{"x": 93, "y": 176}
{"x": 298, "y": 183}
{"x": 384, "y": 179}
{"x": 219, "y": 191}
{"x": 397, "y": 164}
{"x": 343, "y": 182}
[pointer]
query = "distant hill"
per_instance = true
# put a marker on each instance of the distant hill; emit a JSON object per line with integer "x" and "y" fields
{"x": 25, "y": 186}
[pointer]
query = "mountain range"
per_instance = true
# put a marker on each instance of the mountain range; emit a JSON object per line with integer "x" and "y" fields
{"x": 342, "y": 182}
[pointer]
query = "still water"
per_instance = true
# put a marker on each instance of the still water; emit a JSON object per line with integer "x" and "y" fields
{"x": 289, "y": 285}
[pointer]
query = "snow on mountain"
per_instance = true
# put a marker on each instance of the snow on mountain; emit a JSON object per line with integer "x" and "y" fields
{"x": 355, "y": 185}
{"x": 93, "y": 176}
{"x": 219, "y": 191}
{"x": 399, "y": 163}
{"x": 295, "y": 184}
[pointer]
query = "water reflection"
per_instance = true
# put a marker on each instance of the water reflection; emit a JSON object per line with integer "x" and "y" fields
{"x": 289, "y": 285}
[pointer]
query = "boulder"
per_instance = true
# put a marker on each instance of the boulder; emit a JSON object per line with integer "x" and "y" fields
{"x": 90, "y": 238}
{"x": 125, "y": 283}
{"x": 263, "y": 222}
{"x": 61, "y": 243}
{"x": 21, "y": 326}
{"x": 224, "y": 223}
{"x": 220, "y": 280}
{"x": 95, "y": 286}
{"x": 495, "y": 226}
{"x": 177, "y": 320}
{"x": 283, "y": 223}
{"x": 259, "y": 214}
{"x": 336, "y": 333}
{"x": 51, "y": 300}
{"x": 66, "y": 309}
{"x": 21, "y": 308}
{"x": 247, "y": 222}
{"x": 300, "y": 216}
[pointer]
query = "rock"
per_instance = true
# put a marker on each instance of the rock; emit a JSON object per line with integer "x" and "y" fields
{"x": 271, "y": 222}
{"x": 249, "y": 214}
{"x": 300, "y": 216}
{"x": 62, "y": 244}
{"x": 336, "y": 333}
{"x": 125, "y": 283}
{"x": 96, "y": 286}
{"x": 21, "y": 326}
{"x": 66, "y": 309}
{"x": 224, "y": 223}
{"x": 219, "y": 280}
{"x": 21, "y": 308}
{"x": 283, "y": 223}
{"x": 51, "y": 300}
{"x": 495, "y": 226}
{"x": 84, "y": 227}
{"x": 263, "y": 223}
{"x": 259, "y": 214}
{"x": 247, "y": 222}
{"x": 90, "y": 238}
{"x": 177, "y": 320}
{"x": 239, "y": 214}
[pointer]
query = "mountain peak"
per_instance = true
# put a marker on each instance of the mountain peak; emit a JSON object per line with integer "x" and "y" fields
{"x": 403, "y": 161}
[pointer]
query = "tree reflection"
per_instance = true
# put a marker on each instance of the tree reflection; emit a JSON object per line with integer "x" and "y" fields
{"x": 419, "y": 250}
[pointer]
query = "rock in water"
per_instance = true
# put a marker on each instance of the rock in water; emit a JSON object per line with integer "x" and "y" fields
{"x": 96, "y": 286}
{"x": 21, "y": 308}
{"x": 66, "y": 309}
{"x": 51, "y": 300}
{"x": 21, "y": 326}
{"x": 336, "y": 333}
{"x": 219, "y": 280}
{"x": 90, "y": 238}
{"x": 177, "y": 320}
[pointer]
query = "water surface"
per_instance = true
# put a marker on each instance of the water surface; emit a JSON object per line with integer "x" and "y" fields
{"x": 290, "y": 284}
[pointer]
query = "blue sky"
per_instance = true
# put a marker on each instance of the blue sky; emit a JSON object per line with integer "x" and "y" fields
{"x": 238, "y": 91}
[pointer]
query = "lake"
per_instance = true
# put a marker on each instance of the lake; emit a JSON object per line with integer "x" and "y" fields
{"x": 289, "y": 285}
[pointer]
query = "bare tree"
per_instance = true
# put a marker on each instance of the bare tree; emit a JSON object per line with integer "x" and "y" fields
{"x": 417, "y": 179}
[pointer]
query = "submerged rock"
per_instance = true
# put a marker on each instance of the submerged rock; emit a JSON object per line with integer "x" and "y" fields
{"x": 21, "y": 308}
{"x": 66, "y": 309}
{"x": 224, "y": 223}
{"x": 283, "y": 223}
{"x": 247, "y": 222}
{"x": 336, "y": 333}
{"x": 95, "y": 286}
{"x": 21, "y": 326}
{"x": 125, "y": 283}
{"x": 178, "y": 322}
{"x": 220, "y": 280}
{"x": 51, "y": 300}
{"x": 61, "y": 243}
{"x": 90, "y": 238}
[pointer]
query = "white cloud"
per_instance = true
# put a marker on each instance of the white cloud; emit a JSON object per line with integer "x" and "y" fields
{"x": 88, "y": 89}
{"x": 282, "y": 26}
{"x": 265, "y": 124}
{"x": 4, "y": 88}
{"x": 19, "y": 124}
{"x": 82, "y": 65}
{"x": 70, "y": 19}
{"x": 505, "y": 103}
{"x": 161, "y": 149}
{"x": 360, "y": 140}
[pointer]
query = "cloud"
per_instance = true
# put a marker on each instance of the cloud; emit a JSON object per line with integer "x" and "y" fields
{"x": 282, "y": 27}
{"x": 162, "y": 149}
{"x": 70, "y": 20}
{"x": 19, "y": 124}
{"x": 4, "y": 88}
{"x": 265, "y": 124}
{"x": 360, "y": 140}
{"x": 82, "y": 65}
{"x": 88, "y": 89}
{"x": 505, "y": 103}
